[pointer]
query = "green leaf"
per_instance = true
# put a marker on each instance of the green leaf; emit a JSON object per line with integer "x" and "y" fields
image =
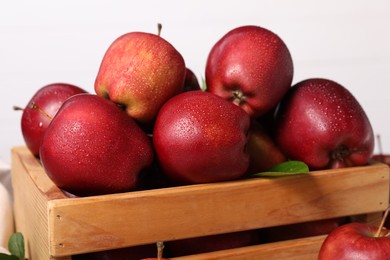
{"x": 8, "y": 257}
{"x": 284, "y": 169}
{"x": 16, "y": 245}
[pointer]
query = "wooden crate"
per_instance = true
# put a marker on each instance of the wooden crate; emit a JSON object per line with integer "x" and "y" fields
{"x": 56, "y": 226}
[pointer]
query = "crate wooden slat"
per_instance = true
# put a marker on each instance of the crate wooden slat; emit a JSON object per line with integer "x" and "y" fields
{"x": 66, "y": 226}
{"x": 30, "y": 203}
{"x": 297, "y": 249}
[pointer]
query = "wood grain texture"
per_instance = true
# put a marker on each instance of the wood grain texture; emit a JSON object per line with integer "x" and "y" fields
{"x": 77, "y": 225}
{"x": 297, "y": 249}
{"x": 30, "y": 203}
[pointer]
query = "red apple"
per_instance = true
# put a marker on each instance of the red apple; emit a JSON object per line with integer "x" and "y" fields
{"x": 300, "y": 230}
{"x": 49, "y": 99}
{"x": 211, "y": 243}
{"x": 93, "y": 147}
{"x": 322, "y": 124}
{"x": 191, "y": 81}
{"x": 263, "y": 151}
{"x": 200, "y": 137}
{"x": 356, "y": 241}
{"x": 250, "y": 66}
{"x": 140, "y": 71}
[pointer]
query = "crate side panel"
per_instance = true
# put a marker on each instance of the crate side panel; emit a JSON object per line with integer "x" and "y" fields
{"x": 31, "y": 217}
{"x": 38, "y": 175}
{"x": 134, "y": 218}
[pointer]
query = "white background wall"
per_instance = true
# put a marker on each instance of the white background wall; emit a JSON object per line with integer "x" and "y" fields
{"x": 44, "y": 41}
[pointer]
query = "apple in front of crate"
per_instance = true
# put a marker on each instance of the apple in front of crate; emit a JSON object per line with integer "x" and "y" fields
{"x": 93, "y": 147}
{"x": 357, "y": 241}
{"x": 322, "y": 124}
{"x": 140, "y": 71}
{"x": 200, "y": 137}
{"x": 250, "y": 66}
{"x": 48, "y": 99}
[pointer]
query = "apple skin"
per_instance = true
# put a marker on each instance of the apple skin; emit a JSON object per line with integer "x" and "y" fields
{"x": 211, "y": 243}
{"x": 355, "y": 241}
{"x": 93, "y": 147}
{"x": 300, "y": 230}
{"x": 250, "y": 66}
{"x": 263, "y": 151}
{"x": 191, "y": 82}
{"x": 49, "y": 98}
{"x": 200, "y": 137}
{"x": 322, "y": 124}
{"x": 140, "y": 71}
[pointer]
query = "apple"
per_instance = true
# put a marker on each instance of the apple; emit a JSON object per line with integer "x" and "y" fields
{"x": 200, "y": 137}
{"x": 300, "y": 230}
{"x": 211, "y": 243}
{"x": 322, "y": 124}
{"x": 191, "y": 81}
{"x": 250, "y": 66}
{"x": 140, "y": 71}
{"x": 263, "y": 151}
{"x": 93, "y": 147}
{"x": 357, "y": 241}
{"x": 49, "y": 99}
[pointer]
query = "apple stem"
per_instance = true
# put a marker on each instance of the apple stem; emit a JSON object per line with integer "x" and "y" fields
{"x": 160, "y": 248}
{"x": 17, "y": 108}
{"x": 159, "y": 27}
{"x": 37, "y": 108}
{"x": 378, "y": 232}
{"x": 238, "y": 97}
